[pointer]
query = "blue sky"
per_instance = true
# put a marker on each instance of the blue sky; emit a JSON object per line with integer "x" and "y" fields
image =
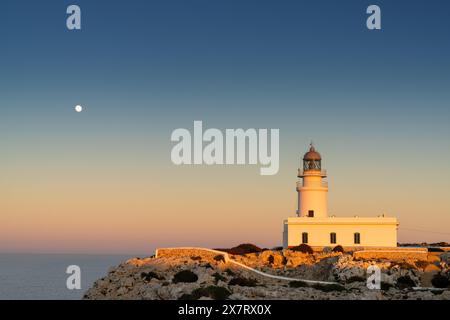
{"x": 375, "y": 102}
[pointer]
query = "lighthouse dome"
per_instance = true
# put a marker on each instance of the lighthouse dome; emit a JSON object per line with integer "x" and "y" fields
{"x": 312, "y": 155}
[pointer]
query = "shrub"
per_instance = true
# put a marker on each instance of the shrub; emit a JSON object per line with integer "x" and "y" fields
{"x": 405, "y": 282}
{"x": 422, "y": 264}
{"x": 207, "y": 266}
{"x": 338, "y": 248}
{"x": 243, "y": 282}
{"x": 385, "y": 286}
{"x": 277, "y": 248}
{"x": 406, "y": 265}
{"x": 185, "y": 276}
{"x": 298, "y": 284}
{"x": 271, "y": 259}
{"x": 196, "y": 258}
{"x": 187, "y": 296}
{"x": 217, "y": 276}
{"x": 355, "y": 279}
{"x": 328, "y": 287}
{"x": 147, "y": 276}
{"x": 304, "y": 248}
{"x": 440, "y": 244}
{"x": 219, "y": 257}
{"x": 229, "y": 272}
{"x": 435, "y": 250}
{"x": 244, "y": 249}
{"x": 440, "y": 281}
{"x": 214, "y": 292}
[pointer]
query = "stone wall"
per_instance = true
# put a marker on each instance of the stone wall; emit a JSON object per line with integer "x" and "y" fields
{"x": 394, "y": 255}
{"x": 189, "y": 252}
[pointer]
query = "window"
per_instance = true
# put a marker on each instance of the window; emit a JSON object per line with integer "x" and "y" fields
{"x": 332, "y": 237}
{"x": 311, "y": 213}
{"x": 305, "y": 237}
{"x": 357, "y": 238}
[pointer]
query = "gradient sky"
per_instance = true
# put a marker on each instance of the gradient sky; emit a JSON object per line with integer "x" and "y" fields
{"x": 376, "y": 104}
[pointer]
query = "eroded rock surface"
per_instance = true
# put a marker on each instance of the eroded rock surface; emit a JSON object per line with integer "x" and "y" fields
{"x": 198, "y": 275}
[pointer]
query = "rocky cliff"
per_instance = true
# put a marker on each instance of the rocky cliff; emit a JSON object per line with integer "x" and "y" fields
{"x": 198, "y": 274}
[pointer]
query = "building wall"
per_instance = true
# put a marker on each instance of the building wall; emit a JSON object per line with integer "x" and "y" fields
{"x": 313, "y": 199}
{"x": 312, "y": 195}
{"x": 374, "y": 232}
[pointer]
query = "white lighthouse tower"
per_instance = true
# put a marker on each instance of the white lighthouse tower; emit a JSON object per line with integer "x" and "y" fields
{"x": 312, "y": 188}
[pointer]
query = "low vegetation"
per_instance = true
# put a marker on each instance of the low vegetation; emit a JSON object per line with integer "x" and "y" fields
{"x": 220, "y": 258}
{"x": 422, "y": 264}
{"x": 218, "y": 277}
{"x": 355, "y": 279}
{"x": 242, "y": 249}
{"x": 405, "y": 282}
{"x": 298, "y": 284}
{"x": 328, "y": 287}
{"x": 440, "y": 281}
{"x": 385, "y": 286}
{"x": 229, "y": 272}
{"x": 185, "y": 276}
{"x": 147, "y": 276}
{"x": 213, "y": 292}
{"x": 196, "y": 258}
{"x": 304, "y": 248}
{"x": 243, "y": 282}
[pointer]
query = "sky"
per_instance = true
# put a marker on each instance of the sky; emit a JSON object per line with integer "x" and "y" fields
{"x": 375, "y": 103}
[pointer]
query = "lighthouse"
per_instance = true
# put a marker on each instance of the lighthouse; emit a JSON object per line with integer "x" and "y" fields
{"x": 312, "y": 188}
{"x": 314, "y": 227}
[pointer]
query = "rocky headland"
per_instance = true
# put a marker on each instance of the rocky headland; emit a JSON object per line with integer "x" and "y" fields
{"x": 192, "y": 273}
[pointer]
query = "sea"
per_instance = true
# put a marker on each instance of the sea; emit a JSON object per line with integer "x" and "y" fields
{"x": 44, "y": 277}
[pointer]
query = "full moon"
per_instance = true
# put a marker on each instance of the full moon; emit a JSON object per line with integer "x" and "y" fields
{"x": 78, "y": 108}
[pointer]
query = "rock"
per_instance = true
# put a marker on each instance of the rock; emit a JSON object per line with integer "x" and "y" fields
{"x": 431, "y": 267}
{"x": 445, "y": 295}
{"x": 372, "y": 295}
{"x": 420, "y": 295}
{"x": 445, "y": 257}
{"x": 425, "y": 279}
{"x": 347, "y": 274}
{"x": 122, "y": 291}
{"x": 327, "y": 249}
{"x": 433, "y": 258}
{"x": 274, "y": 258}
{"x": 237, "y": 296}
{"x": 293, "y": 262}
{"x": 388, "y": 279}
{"x": 129, "y": 282}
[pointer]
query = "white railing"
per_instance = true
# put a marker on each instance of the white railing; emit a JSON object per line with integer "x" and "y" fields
{"x": 322, "y": 173}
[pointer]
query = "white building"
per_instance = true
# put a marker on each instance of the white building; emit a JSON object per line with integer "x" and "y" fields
{"x": 313, "y": 226}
